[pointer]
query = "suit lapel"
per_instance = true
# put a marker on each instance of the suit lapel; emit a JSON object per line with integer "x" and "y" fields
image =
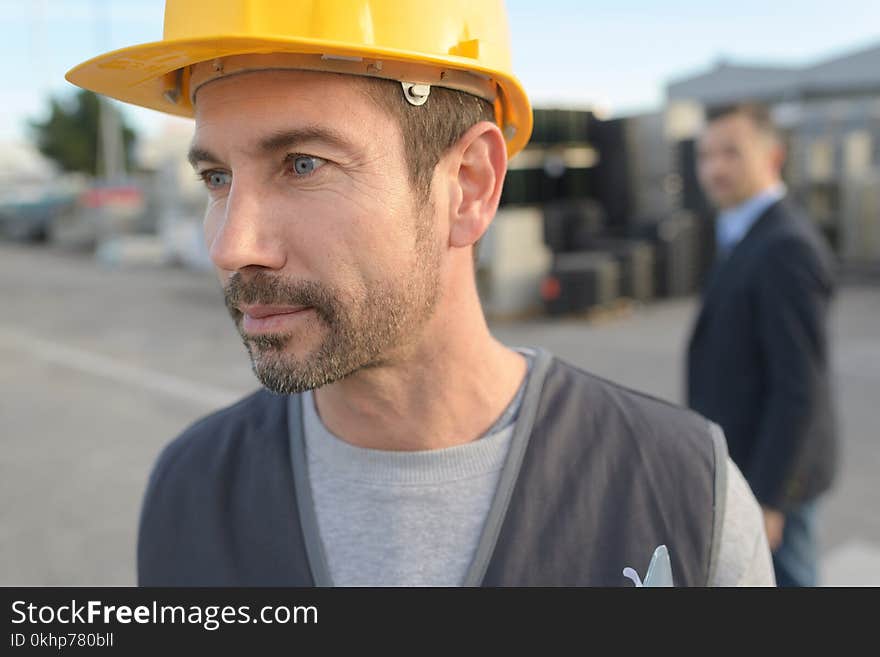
{"x": 725, "y": 269}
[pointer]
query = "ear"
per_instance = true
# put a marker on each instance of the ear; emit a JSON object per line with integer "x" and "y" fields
{"x": 779, "y": 155}
{"x": 478, "y": 164}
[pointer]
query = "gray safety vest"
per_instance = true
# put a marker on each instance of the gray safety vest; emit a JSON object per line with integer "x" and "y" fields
{"x": 596, "y": 478}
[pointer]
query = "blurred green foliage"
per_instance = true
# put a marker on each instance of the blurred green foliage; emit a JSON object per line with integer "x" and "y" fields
{"x": 70, "y": 136}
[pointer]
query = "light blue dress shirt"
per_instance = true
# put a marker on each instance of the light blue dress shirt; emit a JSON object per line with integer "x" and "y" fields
{"x": 734, "y": 223}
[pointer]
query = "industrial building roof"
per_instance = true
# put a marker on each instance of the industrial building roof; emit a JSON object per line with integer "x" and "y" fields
{"x": 854, "y": 73}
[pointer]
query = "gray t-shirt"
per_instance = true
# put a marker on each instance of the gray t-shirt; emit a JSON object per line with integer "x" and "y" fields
{"x": 391, "y": 518}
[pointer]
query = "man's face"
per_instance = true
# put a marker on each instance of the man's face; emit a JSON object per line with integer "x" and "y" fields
{"x": 328, "y": 258}
{"x": 736, "y": 160}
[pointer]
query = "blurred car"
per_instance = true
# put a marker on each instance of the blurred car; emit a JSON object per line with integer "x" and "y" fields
{"x": 27, "y": 212}
{"x": 102, "y": 211}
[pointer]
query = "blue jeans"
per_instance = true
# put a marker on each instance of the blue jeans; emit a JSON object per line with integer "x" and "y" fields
{"x": 796, "y": 562}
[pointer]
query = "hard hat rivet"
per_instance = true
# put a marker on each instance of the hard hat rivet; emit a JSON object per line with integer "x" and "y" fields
{"x": 416, "y": 94}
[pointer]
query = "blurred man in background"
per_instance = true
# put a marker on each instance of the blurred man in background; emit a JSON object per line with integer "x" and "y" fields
{"x": 758, "y": 355}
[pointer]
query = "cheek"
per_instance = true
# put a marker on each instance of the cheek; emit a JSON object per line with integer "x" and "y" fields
{"x": 730, "y": 168}
{"x": 377, "y": 229}
{"x": 327, "y": 237}
{"x": 756, "y": 166}
{"x": 704, "y": 169}
{"x": 741, "y": 173}
{"x": 212, "y": 220}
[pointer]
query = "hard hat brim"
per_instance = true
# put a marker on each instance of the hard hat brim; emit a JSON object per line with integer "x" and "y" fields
{"x": 144, "y": 74}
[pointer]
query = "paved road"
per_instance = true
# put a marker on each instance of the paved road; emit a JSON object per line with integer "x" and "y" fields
{"x": 100, "y": 368}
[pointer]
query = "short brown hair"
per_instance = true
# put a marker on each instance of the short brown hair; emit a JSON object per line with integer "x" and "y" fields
{"x": 429, "y": 130}
{"x": 757, "y": 113}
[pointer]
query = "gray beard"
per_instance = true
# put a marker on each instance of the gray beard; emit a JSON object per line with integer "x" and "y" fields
{"x": 359, "y": 334}
{"x": 353, "y": 342}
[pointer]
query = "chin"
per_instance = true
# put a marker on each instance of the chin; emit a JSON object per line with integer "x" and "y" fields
{"x": 723, "y": 202}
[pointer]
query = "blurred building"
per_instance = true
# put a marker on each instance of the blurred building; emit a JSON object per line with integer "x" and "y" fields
{"x": 178, "y": 196}
{"x": 590, "y": 215}
{"x": 830, "y": 114}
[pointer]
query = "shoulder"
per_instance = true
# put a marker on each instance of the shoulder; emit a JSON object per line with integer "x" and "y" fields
{"x": 793, "y": 235}
{"x": 607, "y": 405}
{"x": 790, "y": 252}
{"x": 744, "y": 557}
{"x": 219, "y": 438}
{"x": 623, "y": 398}
{"x": 795, "y": 262}
{"x": 662, "y": 464}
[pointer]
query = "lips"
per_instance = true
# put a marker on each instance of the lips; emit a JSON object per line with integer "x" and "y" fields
{"x": 262, "y": 319}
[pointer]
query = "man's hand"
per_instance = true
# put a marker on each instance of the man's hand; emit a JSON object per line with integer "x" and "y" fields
{"x": 774, "y": 523}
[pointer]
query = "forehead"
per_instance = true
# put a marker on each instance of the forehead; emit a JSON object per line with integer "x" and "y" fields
{"x": 254, "y": 103}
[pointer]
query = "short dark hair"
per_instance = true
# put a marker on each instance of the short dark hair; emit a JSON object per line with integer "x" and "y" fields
{"x": 429, "y": 130}
{"x": 757, "y": 113}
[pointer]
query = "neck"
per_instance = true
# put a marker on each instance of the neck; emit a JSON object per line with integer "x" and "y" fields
{"x": 770, "y": 185}
{"x": 763, "y": 189}
{"x": 445, "y": 389}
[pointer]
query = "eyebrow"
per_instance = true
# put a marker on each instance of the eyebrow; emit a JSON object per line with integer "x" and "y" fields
{"x": 198, "y": 154}
{"x": 282, "y": 139}
{"x": 279, "y": 140}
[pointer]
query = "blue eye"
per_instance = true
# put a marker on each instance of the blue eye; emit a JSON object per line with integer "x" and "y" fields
{"x": 303, "y": 165}
{"x": 215, "y": 179}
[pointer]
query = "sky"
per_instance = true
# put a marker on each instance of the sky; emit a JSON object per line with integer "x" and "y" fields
{"x": 615, "y": 56}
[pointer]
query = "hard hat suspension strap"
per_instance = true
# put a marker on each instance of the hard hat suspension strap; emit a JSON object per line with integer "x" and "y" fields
{"x": 416, "y": 79}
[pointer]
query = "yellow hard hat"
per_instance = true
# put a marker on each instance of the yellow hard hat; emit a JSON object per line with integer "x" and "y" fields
{"x": 460, "y": 44}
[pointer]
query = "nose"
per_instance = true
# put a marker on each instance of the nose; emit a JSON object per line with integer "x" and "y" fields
{"x": 241, "y": 232}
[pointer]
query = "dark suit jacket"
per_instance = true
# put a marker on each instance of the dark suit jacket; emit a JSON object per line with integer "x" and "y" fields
{"x": 758, "y": 358}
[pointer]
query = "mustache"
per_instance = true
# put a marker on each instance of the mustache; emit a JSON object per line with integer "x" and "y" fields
{"x": 266, "y": 289}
